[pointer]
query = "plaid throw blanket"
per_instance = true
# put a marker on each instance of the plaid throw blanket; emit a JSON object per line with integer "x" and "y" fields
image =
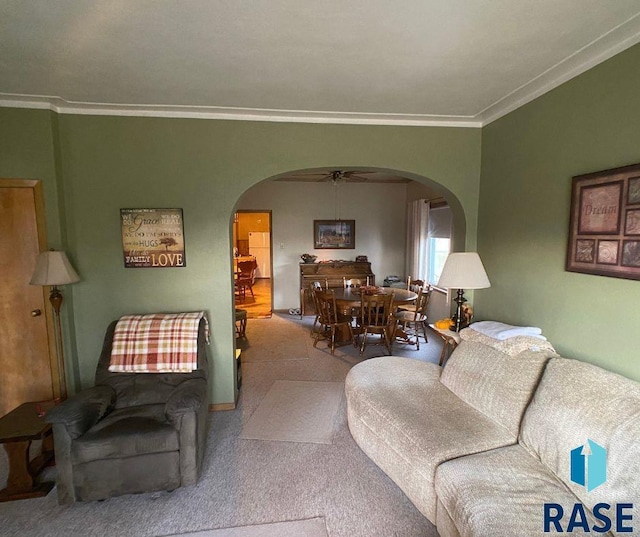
{"x": 157, "y": 343}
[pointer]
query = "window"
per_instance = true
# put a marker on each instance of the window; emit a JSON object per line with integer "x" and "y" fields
{"x": 438, "y": 249}
{"x": 438, "y": 242}
{"x": 429, "y": 231}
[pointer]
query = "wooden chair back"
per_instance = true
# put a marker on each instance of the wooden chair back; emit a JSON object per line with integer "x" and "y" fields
{"x": 413, "y": 285}
{"x": 315, "y": 289}
{"x": 325, "y": 302}
{"x": 247, "y": 269}
{"x": 376, "y": 310}
{"x": 422, "y": 302}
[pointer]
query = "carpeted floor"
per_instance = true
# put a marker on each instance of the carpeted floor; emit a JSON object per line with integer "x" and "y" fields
{"x": 313, "y": 527}
{"x": 252, "y": 482}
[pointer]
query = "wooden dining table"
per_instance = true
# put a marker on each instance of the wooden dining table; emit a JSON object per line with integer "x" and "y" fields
{"x": 350, "y": 297}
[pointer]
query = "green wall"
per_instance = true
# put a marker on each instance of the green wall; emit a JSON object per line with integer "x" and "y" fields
{"x": 27, "y": 151}
{"x": 202, "y": 166}
{"x": 588, "y": 124}
{"x": 91, "y": 166}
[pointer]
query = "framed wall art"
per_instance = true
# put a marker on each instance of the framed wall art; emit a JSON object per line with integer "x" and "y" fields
{"x": 334, "y": 234}
{"x": 152, "y": 238}
{"x": 604, "y": 233}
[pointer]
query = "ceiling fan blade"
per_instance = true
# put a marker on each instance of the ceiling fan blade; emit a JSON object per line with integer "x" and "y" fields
{"x": 357, "y": 172}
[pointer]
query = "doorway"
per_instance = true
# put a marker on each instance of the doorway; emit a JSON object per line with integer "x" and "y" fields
{"x": 29, "y": 370}
{"x": 252, "y": 244}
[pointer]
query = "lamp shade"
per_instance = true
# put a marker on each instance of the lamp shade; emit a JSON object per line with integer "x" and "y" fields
{"x": 53, "y": 268}
{"x": 464, "y": 270}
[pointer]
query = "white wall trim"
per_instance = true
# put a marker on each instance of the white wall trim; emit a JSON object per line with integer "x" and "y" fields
{"x": 61, "y": 106}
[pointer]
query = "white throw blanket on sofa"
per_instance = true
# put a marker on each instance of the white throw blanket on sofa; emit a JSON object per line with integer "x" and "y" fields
{"x": 502, "y": 331}
{"x": 511, "y": 346}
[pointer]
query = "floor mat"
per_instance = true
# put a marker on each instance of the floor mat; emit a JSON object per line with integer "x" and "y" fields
{"x": 296, "y": 411}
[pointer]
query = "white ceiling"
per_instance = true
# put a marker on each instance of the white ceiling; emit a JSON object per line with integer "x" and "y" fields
{"x": 420, "y": 62}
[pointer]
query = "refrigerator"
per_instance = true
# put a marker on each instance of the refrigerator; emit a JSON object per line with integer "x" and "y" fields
{"x": 260, "y": 248}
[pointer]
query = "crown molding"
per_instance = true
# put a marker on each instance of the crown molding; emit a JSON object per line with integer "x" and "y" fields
{"x": 618, "y": 39}
{"x": 61, "y": 106}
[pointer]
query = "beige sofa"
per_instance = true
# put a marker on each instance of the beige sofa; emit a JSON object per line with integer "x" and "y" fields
{"x": 480, "y": 446}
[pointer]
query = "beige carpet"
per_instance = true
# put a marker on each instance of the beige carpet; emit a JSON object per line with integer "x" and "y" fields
{"x": 313, "y": 527}
{"x": 296, "y": 411}
{"x": 270, "y": 340}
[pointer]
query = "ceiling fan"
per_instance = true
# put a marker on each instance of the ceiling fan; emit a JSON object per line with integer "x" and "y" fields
{"x": 336, "y": 176}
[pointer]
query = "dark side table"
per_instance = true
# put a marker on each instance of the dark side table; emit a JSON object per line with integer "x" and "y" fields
{"x": 17, "y": 430}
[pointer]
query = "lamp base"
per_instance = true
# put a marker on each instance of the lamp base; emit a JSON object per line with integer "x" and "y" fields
{"x": 458, "y": 318}
{"x": 55, "y": 297}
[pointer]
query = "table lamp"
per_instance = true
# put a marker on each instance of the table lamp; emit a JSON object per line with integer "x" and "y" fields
{"x": 53, "y": 268}
{"x": 463, "y": 270}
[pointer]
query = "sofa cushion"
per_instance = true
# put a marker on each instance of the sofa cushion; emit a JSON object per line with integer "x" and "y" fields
{"x": 500, "y": 493}
{"x": 407, "y": 422}
{"x": 127, "y": 432}
{"x": 577, "y": 401}
{"x": 498, "y": 385}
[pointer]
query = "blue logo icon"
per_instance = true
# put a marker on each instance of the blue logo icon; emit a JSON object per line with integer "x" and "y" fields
{"x": 589, "y": 465}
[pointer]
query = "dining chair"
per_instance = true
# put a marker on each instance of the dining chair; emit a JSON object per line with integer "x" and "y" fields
{"x": 376, "y": 318}
{"x": 352, "y": 283}
{"x": 419, "y": 285}
{"x": 416, "y": 320}
{"x": 313, "y": 287}
{"x": 246, "y": 278}
{"x": 330, "y": 319}
{"x": 413, "y": 285}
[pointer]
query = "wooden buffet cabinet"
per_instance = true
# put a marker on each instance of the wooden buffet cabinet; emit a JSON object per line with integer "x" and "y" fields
{"x": 331, "y": 274}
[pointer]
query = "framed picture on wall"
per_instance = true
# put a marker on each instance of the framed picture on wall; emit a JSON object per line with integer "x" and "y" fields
{"x": 152, "y": 238}
{"x": 604, "y": 232}
{"x": 334, "y": 234}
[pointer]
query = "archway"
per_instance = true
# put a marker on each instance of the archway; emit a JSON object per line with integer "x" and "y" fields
{"x": 378, "y": 208}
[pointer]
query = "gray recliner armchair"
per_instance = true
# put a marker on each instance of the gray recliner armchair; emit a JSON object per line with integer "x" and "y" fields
{"x": 131, "y": 432}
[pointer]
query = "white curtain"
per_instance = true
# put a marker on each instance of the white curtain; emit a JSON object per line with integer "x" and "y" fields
{"x": 417, "y": 229}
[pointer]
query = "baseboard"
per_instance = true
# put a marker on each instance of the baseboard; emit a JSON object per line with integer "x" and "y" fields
{"x": 222, "y": 406}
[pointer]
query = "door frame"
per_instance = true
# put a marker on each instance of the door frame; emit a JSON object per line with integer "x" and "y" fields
{"x": 269, "y": 212}
{"x": 38, "y": 197}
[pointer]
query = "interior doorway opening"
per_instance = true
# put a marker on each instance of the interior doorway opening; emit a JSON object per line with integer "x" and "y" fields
{"x": 253, "y": 265}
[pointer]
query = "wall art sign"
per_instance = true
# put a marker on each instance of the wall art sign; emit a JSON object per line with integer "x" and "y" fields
{"x": 604, "y": 234}
{"x": 334, "y": 234}
{"x": 152, "y": 238}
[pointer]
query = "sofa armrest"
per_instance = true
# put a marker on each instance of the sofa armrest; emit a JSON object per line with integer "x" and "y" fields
{"x": 186, "y": 397}
{"x": 82, "y": 411}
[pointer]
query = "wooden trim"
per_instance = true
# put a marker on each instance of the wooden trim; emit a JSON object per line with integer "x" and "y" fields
{"x": 46, "y": 290}
{"x": 222, "y": 406}
{"x": 19, "y": 183}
